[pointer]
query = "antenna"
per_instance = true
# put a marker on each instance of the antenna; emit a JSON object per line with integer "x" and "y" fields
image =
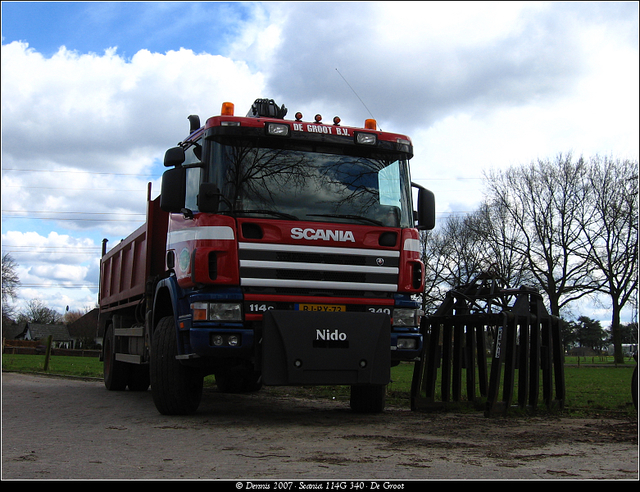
{"x": 365, "y": 106}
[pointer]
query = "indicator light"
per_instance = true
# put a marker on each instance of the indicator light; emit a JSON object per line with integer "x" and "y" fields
{"x": 199, "y": 311}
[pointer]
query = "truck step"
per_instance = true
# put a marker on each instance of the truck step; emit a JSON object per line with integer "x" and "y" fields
{"x": 132, "y": 359}
{"x": 129, "y": 332}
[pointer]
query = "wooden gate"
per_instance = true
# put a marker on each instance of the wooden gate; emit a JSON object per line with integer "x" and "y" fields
{"x": 481, "y": 324}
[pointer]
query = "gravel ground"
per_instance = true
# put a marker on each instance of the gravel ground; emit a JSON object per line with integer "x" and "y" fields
{"x": 58, "y": 428}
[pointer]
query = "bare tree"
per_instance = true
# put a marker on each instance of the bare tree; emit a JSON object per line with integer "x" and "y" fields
{"x": 10, "y": 284}
{"x": 37, "y": 311}
{"x": 544, "y": 203}
{"x": 436, "y": 258}
{"x": 454, "y": 254}
{"x": 498, "y": 235}
{"x": 611, "y": 231}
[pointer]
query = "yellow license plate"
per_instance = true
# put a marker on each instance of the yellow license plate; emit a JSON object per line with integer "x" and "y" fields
{"x": 320, "y": 307}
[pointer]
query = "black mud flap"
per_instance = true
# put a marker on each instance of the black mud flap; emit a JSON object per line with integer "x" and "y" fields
{"x": 318, "y": 348}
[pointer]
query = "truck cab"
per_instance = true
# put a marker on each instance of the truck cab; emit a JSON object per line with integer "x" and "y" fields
{"x": 291, "y": 257}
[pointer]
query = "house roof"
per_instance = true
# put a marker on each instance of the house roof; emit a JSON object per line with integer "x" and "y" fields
{"x": 59, "y": 333}
{"x": 11, "y": 331}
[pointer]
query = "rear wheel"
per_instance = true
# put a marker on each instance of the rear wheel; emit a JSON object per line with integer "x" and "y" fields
{"x": 176, "y": 388}
{"x": 368, "y": 398}
{"x": 116, "y": 373}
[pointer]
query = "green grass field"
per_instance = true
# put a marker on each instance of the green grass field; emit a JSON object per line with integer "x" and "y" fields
{"x": 592, "y": 387}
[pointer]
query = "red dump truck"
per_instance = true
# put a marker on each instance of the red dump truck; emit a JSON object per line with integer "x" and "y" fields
{"x": 279, "y": 252}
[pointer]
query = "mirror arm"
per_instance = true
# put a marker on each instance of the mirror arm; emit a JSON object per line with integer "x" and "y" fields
{"x": 187, "y": 213}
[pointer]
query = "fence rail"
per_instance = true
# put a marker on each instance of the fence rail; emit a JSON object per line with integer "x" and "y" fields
{"x": 38, "y": 347}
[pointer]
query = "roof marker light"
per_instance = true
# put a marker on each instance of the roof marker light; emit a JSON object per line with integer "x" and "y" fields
{"x": 336, "y": 120}
{"x": 298, "y": 116}
{"x": 318, "y": 118}
{"x": 227, "y": 109}
{"x": 370, "y": 124}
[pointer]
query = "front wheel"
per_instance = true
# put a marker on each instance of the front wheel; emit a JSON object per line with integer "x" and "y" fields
{"x": 176, "y": 388}
{"x": 368, "y": 398}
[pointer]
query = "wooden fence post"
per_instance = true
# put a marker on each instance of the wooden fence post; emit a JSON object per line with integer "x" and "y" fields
{"x": 47, "y": 354}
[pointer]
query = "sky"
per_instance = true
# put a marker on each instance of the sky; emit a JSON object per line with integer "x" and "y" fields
{"x": 94, "y": 93}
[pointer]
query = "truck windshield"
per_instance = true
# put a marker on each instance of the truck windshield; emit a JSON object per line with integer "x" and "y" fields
{"x": 324, "y": 186}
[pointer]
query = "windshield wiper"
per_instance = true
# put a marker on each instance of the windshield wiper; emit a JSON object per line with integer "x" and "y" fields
{"x": 267, "y": 212}
{"x": 354, "y": 217}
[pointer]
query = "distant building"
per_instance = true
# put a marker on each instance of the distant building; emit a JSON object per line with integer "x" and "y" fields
{"x": 11, "y": 330}
{"x": 60, "y": 337}
{"x": 81, "y": 334}
{"x": 84, "y": 330}
{"x": 628, "y": 349}
{"x": 582, "y": 352}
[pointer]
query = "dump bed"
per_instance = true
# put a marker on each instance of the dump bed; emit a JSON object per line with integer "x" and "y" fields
{"x": 125, "y": 269}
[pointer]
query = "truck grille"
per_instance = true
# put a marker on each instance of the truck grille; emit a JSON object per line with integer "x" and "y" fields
{"x": 285, "y": 266}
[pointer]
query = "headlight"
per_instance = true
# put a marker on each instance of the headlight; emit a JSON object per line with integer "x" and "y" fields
{"x": 225, "y": 312}
{"x": 403, "y": 145}
{"x": 407, "y": 344}
{"x": 278, "y": 129}
{"x": 406, "y": 317}
{"x": 216, "y": 311}
{"x": 366, "y": 139}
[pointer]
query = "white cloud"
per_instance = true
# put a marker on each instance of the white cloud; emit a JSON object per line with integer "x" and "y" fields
{"x": 58, "y": 269}
{"x": 92, "y": 111}
{"x": 82, "y": 135}
{"x": 106, "y": 116}
{"x": 415, "y": 62}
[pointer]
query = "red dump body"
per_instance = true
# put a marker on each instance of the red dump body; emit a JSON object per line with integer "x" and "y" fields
{"x": 125, "y": 269}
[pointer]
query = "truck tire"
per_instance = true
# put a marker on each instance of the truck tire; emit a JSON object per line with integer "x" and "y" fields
{"x": 368, "y": 398}
{"x": 116, "y": 373}
{"x": 176, "y": 388}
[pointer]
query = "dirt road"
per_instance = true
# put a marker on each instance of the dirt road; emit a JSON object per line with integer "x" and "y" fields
{"x": 55, "y": 428}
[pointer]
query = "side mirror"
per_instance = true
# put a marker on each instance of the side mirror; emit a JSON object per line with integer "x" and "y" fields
{"x": 208, "y": 198}
{"x": 173, "y": 191}
{"x": 174, "y": 157}
{"x": 426, "y": 208}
